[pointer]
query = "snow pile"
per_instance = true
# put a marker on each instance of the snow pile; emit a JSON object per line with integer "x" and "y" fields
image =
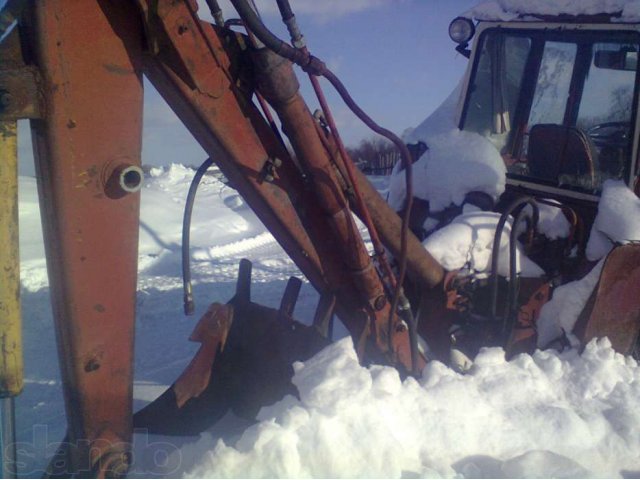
{"x": 617, "y": 222}
{"x": 506, "y": 10}
{"x": 442, "y": 119}
{"x": 618, "y": 219}
{"x": 468, "y": 242}
{"x": 552, "y": 222}
{"x": 546, "y": 415}
{"x": 559, "y": 315}
{"x": 456, "y": 163}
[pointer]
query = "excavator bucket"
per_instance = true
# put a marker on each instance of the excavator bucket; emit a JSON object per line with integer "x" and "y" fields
{"x": 244, "y": 363}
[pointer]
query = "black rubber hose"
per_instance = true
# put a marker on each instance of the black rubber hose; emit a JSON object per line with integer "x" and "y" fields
{"x": 512, "y": 304}
{"x": 258, "y": 28}
{"x": 412, "y": 324}
{"x": 189, "y": 305}
{"x": 495, "y": 252}
{"x": 265, "y": 35}
{"x": 216, "y": 12}
{"x": 315, "y": 66}
{"x": 285, "y": 10}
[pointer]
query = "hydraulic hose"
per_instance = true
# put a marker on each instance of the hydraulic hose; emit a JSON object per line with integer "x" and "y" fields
{"x": 216, "y": 12}
{"x": 285, "y": 10}
{"x": 513, "y": 271}
{"x": 189, "y": 305}
{"x": 495, "y": 252}
{"x": 314, "y": 66}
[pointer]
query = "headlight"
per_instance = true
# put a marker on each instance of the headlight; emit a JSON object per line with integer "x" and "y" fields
{"x": 461, "y": 30}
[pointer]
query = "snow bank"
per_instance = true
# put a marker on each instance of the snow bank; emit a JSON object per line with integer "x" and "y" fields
{"x": 546, "y": 415}
{"x": 506, "y": 10}
{"x": 456, "y": 163}
{"x": 561, "y": 313}
{"x": 442, "y": 119}
{"x": 468, "y": 241}
{"x": 618, "y": 219}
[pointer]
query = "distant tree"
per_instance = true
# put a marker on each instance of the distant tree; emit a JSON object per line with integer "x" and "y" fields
{"x": 621, "y": 100}
{"x": 374, "y": 155}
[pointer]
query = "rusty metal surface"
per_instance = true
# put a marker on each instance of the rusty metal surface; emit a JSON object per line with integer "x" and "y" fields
{"x": 254, "y": 369}
{"x": 228, "y": 126}
{"x": 378, "y": 339}
{"x": 89, "y": 55}
{"x": 421, "y": 266}
{"x": 20, "y": 84}
{"x": 211, "y": 332}
{"x": 235, "y": 135}
{"x": 614, "y": 307}
{"x": 533, "y": 293}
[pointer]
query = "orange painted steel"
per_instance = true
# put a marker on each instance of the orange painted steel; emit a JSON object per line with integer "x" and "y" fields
{"x": 89, "y": 55}
{"x": 421, "y": 266}
{"x": 300, "y": 127}
{"x": 232, "y": 131}
{"x": 227, "y": 125}
{"x": 613, "y": 310}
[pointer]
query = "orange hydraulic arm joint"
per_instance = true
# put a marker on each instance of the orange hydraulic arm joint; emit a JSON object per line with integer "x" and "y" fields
{"x": 192, "y": 65}
{"x": 277, "y": 83}
{"x": 88, "y": 150}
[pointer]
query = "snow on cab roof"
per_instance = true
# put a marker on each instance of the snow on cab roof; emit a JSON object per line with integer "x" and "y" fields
{"x": 625, "y": 11}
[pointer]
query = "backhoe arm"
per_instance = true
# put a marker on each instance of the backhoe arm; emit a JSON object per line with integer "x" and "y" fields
{"x": 91, "y": 56}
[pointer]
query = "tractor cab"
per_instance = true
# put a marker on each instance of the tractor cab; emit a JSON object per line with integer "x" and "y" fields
{"x": 558, "y": 97}
{"x": 556, "y": 94}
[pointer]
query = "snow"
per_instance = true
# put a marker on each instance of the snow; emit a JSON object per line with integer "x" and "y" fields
{"x": 546, "y": 415}
{"x": 506, "y": 10}
{"x": 617, "y": 222}
{"x": 457, "y": 162}
{"x": 468, "y": 242}
{"x": 552, "y": 223}
{"x": 561, "y": 313}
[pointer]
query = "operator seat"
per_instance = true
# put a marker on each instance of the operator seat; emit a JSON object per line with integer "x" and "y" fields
{"x": 562, "y": 154}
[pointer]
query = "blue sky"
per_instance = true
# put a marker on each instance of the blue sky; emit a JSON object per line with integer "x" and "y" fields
{"x": 394, "y": 56}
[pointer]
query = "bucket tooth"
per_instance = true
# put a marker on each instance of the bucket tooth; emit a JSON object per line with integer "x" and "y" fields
{"x": 243, "y": 286}
{"x": 244, "y": 363}
{"x": 289, "y": 299}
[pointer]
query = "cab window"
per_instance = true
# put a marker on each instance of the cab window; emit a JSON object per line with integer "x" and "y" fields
{"x": 558, "y": 105}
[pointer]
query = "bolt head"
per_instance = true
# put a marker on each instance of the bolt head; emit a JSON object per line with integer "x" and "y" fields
{"x": 380, "y": 302}
{"x": 401, "y": 327}
{"x": 5, "y": 99}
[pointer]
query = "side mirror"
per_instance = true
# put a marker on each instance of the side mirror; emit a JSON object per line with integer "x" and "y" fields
{"x": 617, "y": 59}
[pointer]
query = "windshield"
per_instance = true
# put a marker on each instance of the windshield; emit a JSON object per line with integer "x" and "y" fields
{"x": 557, "y": 104}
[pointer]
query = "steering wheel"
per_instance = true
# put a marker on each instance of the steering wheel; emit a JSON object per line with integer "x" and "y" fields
{"x": 610, "y": 134}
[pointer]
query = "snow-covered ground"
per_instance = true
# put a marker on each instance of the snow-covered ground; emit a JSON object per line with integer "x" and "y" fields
{"x": 546, "y": 415}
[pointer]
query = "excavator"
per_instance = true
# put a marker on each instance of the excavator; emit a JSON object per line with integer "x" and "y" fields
{"x": 75, "y": 68}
